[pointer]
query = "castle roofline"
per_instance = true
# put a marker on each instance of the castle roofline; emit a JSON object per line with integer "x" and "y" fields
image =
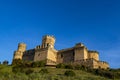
{"x": 21, "y": 43}
{"x": 48, "y": 36}
{"x": 67, "y": 49}
{"x": 104, "y": 62}
{"x": 92, "y": 51}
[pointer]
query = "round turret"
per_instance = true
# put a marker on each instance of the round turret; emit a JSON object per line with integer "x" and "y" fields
{"x": 48, "y": 41}
{"x": 19, "y": 53}
{"x": 22, "y": 47}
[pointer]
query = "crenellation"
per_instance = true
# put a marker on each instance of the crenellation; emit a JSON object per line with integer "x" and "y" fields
{"x": 78, "y": 54}
{"x": 49, "y": 36}
{"x": 93, "y": 51}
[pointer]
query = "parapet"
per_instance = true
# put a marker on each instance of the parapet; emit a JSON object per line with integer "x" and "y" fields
{"x": 38, "y": 47}
{"x": 103, "y": 62}
{"x": 21, "y": 44}
{"x": 21, "y": 47}
{"x": 93, "y": 54}
{"x": 51, "y": 36}
{"x": 79, "y": 44}
{"x": 91, "y": 51}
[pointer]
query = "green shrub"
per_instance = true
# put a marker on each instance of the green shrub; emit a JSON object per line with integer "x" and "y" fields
{"x": 69, "y": 73}
{"x": 5, "y": 62}
{"x": 105, "y": 73}
{"x": 77, "y": 67}
{"x": 117, "y": 75}
{"x": 17, "y": 69}
{"x": 29, "y": 71}
{"x": 38, "y": 64}
{"x": 60, "y": 65}
{"x": 17, "y": 62}
{"x": 69, "y": 66}
{"x": 43, "y": 71}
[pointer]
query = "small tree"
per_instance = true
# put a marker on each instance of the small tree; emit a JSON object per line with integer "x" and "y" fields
{"x": 5, "y": 62}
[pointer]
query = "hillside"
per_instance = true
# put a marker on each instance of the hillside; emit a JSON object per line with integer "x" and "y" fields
{"x": 53, "y": 74}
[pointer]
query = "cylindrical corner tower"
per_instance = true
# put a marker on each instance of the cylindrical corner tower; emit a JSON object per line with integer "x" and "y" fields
{"x": 48, "y": 41}
{"x": 22, "y": 47}
{"x": 19, "y": 53}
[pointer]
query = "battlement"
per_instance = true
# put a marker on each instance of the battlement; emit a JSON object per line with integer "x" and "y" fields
{"x": 48, "y": 36}
{"x": 68, "y": 49}
{"x": 78, "y": 54}
{"x": 21, "y": 47}
{"x": 21, "y": 44}
{"x": 103, "y": 62}
{"x": 48, "y": 41}
{"x": 91, "y": 51}
{"x": 38, "y": 47}
{"x": 79, "y": 45}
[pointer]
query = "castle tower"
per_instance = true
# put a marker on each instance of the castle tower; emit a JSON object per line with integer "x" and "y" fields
{"x": 46, "y": 51}
{"x": 81, "y": 52}
{"x": 48, "y": 41}
{"x": 93, "y": 54}
{"x": 19, "y": 53}
{"x": 21, "y": 47}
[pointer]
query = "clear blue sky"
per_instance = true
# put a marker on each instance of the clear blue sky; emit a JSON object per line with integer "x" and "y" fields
{"x": 96, "y": 23}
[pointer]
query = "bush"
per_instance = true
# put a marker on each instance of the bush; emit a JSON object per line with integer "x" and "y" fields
{"x": 38, "y": 64}
{"x": 69, "y": 73}
{"x": 29, "y": 71}
{"x": 5, "y": 62}
{"x": 60, "y": 65}
{"x": 69, "y": 66}
{"x": 77, "y": 67}
{"x": 43, "y": 71}
{"x": 17, "y": 69}
{"x": 17, "y": 62}
{"x": 105, "y": 73}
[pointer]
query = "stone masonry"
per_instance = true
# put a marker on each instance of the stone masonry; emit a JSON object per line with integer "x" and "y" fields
{"x": 78, "y": 54}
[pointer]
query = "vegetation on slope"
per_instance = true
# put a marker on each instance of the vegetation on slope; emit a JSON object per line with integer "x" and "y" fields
{"x": 45, "y": 74}
{"x": 37, "y": 71}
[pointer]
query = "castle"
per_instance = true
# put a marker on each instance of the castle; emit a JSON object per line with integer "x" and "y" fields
{"x": 78, "y": 54}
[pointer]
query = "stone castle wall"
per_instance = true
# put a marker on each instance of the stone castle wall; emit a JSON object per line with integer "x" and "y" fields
{"x": 81, "y": 52}
{"x": 78, "y": 54}
{"x": 51, "y": 57}
{"x": 94, "y": 55}
{"x": 40, "y": 54}
{"x": 65, "y": 56}
{"x": 28, "y": 55}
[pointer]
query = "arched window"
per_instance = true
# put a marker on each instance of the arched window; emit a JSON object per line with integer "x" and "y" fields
{"x": 47, "y": 44}
{"x": 61, "y": 55}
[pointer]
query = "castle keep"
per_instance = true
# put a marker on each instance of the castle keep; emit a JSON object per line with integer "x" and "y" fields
{"x": 78, "y": 54}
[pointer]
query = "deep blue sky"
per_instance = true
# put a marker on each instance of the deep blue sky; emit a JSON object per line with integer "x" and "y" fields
{"x": 96, "y": 23}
